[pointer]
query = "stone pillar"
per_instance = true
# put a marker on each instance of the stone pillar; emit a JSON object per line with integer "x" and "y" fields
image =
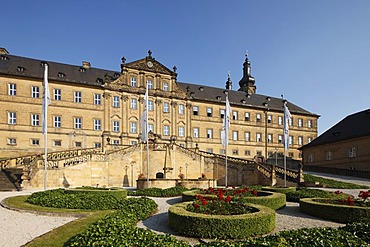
{"x": 273, "y": 175}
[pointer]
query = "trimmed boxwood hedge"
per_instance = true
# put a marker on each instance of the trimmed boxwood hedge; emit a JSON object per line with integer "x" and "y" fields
{"x": 268, "y": 199}
{"x": 221, "y": 226}
{"x": 79, "y": 199}
{"x": 283, "y": 190}
{"x": 333, "y": 212}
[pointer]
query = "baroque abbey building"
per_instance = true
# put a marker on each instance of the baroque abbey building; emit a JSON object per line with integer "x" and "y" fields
{"x": 93, "y": 107}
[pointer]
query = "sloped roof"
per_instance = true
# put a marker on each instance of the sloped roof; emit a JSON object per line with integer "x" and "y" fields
{"x": 213, "y": 94}
{"x": 72, "y": 73}
{"x": 353, "y": 126}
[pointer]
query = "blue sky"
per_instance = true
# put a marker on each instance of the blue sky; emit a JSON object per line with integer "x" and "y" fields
{"x": 316, "y": 53}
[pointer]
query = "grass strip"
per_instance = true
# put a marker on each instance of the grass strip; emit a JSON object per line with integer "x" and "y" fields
{"x": 331, "y": 183}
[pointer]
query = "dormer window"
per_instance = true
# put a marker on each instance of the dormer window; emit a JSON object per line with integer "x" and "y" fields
{"x": 100, "y": 80}
{"x": 61, "y": 75}
{"x": 4, "y": 58}
{"x": 218, "y": 97}
{"x": 20, "y": 69}
{"x": 243, "y": 101}
{"x": 116, "y": 75}
{"x": 82, "y": 69}
{"x": 201, "y": 89}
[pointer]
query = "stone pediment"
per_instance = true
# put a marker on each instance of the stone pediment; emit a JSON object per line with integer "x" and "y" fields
{"x": 149, "y": 64}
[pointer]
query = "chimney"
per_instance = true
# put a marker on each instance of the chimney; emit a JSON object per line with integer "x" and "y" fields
{"x": 86, "y": 65}
{"x": 3, "y": 51}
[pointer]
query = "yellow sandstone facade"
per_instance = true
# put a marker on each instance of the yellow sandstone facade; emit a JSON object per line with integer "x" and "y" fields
{"x": 91, "y": 107}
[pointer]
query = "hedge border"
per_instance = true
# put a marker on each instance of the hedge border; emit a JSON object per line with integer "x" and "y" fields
{"x": 279, "y": 189}
{"x": 115, "y": 192}
{"x": 333, "y": 212}
{"x": 221, "y": 226}
{"x": 265, "y": 198}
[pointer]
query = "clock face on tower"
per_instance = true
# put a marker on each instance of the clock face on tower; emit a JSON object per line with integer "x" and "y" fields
{"x": 150, "y": 64}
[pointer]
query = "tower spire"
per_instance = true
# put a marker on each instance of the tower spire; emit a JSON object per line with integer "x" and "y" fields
{"x": 229, "y": 83}
{"x": 247, "y": 82}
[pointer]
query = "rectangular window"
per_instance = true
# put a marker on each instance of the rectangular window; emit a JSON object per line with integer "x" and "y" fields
{"x": 210, "y": 150}
{"x": 35, "y": 92}
{"x": 57, "y": 121}
{"x": 181, "y": 109}
{"x": 290, "y": 121}
{"x": 222, "y": 113}
{"x": 57, "y": 94}
{"x": 235, "y": 115}
{"x": 12, "y": 118}
{"x": 181, "y": 131}
{"x": 209, "y": 112}
{"x": 97, "y": 124}
{"x": 78, "y": 144}
{"x": 310, "y": 158}
{"x": 166, "y": 130}
{"x": 247, "y": 153}
{"x": 269, "y": 138}
{"x": 150, "y": 105}
{"x": 116, "y": 142}
{"x": 115, "y": 101}
{"x": 291, "y": 155}
{"x": 151, "y": 128}
{"x": 246, "y": 116}
{"x": 280, "y": 120}
{"x": 329, "y": 155}
{"x": 78, "y": 123}
{"x": 235, "y": 152}
{"x": 352, "y": 152}
{"x": 150, "y": 84}
{"x": 300, "y": 122}
{"x": 280, "y": 139}
{"x": 309, "y": 139}
{"x": 78, "y": 97}
{"x": 133, "y": 142}
{"x": 247, "y": 136}
{"x": 269, "y": 118}
{"x": 235, "y": 135}
{"x": 133, "y": 103}
{"x": 196, "y": 132}
{"x": 115, "y": 126}
{"x": 309, "y": 123}
{"x": 133, "y": 82}
{"x": 195, "y": 110}
{"x": 97, "y": 99}
{"x": 223, "y": 151}
{"x": 258, "y": 137}
{"x": 258, "y": 118}
{"x": 290, "y": 140}
{"x": 35, "y": 119}
{"x": 12, "y": 89}
{"x": 133, "y": 127}
{"x": 12, "y": 141}
{"x": 165, "y": 86}
{"x": 209, "y": 133}
{"x": 166, "y": 107}
{"x": 35, "y": 142}
{"x": 97, "y": 145}
{"x": 57, "y": 143}
{"x": 300, "y": 140}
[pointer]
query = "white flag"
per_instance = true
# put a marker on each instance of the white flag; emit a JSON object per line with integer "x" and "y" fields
{"x": 45, "y": 100}
{"x": 287, "y": 117}
{"x": 144, "y": 118}
{"x": 226, "y": 126}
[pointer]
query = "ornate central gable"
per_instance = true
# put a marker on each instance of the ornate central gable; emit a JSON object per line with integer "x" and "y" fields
{"x": 148, "y": 64}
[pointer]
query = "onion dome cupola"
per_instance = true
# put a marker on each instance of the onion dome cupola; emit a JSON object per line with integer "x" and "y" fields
{"x": 229, "y": 83}
{"x": 247, "y": 83}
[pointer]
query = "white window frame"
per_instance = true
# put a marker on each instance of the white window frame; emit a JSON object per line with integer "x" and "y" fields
{"x": 235, "y": 115}
{"x": 247, "y": 136}
{"x": 280, "y": 139}
{"x": 209, "y": 133}
{"x": 12, "y": 89}
{"x": 181, "y": 109}
{"x": 258, "y": 118}
{"x": 181, "y": 131}
{"x": 235, "y": 135}
{"x": 116, "y": 102}
{"x": 78, "y": 97}
{"x": 77, "y": 123}
{"x": 270, "y": 138}
{"x": 35, "y": 119}
{"x": 166, "y": 130}
{"x": 57, "y": 121}
{"x": 35, "y": 142}
{"x": 329, "y": 155}
{"x": 222, "y": 113}
{"x": 269, "y": 118}
{"x": 280, "y": 120}
{"x": 165, "y": 86}
{"x": 300, "y": 122}
{"x": 57, "y": 94}
{"x": 133, "y": 104}
{"x": 133, "y": 82}
{"x": 151, "y": 128}
{"x": 150, "y": 105}
{"x": 209, "y": 112}
{"x": 196, "y": 132}
{"x": 247, "y": 116}
{"x": 116, "y": 127}
{"x": 300, "y": 140}
{"x": 150, "y": 84}
{"x": 258, "y": 137}
{"x": 195, "y": 110}
{"x": 133, "y": 127}
{"x": 352, "y": 152}
{"x": 35, "y": 92}
{"x": 12, "y": 118}
{"x": 309, "y": 123}
{"x": 97, "y": 124}
{"x": 12, "y": 141}
{"x": 166, "y": 107}
{"x": 97, "y": 99}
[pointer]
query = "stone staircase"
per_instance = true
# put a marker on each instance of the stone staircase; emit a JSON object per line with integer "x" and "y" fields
{"x": 10, "y": 179}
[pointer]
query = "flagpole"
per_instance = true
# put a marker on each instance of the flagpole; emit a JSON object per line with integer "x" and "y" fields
{"x": 45, "y": 122}
{"x": 287, "y": 116}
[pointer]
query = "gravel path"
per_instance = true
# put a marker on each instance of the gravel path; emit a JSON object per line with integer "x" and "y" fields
{"x": 18, "y": 228}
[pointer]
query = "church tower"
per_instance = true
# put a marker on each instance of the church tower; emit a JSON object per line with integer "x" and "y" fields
{"x": 247, "y": 82}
